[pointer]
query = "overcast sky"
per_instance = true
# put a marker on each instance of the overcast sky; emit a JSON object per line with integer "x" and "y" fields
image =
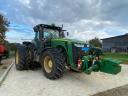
{"x": 84, "y": 19}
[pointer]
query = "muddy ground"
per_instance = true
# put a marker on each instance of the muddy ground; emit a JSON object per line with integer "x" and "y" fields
{"x": 4, "y": 65}
{"x": 119, "y": 91}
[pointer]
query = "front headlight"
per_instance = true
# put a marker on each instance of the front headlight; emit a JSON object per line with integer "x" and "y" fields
{"x": 82, "y": 47}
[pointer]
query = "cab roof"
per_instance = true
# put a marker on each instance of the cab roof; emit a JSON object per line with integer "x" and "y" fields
{"x": 40, "y": 27}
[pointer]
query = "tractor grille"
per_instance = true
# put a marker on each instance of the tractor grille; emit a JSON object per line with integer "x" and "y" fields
{"x": 78, "y": 52}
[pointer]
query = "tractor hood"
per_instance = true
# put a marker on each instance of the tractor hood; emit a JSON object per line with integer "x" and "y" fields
{"x": 69, "y": 40}
{"x": 76, "y": 43}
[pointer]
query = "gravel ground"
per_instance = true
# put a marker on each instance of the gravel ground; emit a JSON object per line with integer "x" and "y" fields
{"x": 33, "y": 83}
{"x": 4, "y": 64}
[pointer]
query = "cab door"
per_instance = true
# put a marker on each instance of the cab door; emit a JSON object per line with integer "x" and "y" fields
{"x": 37, "y": 42}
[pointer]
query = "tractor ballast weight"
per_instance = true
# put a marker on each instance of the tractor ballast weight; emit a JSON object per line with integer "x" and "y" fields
{"x": 55, "y": 53}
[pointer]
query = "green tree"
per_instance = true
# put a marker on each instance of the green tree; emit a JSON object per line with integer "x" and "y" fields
{"x": 95, "y": 42}
{"x": 4, "y": 24}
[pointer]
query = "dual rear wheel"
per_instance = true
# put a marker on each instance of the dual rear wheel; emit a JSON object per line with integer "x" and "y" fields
{"x": 51, "y": 60}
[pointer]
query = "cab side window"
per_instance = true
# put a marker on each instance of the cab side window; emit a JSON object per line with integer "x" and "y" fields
{"x": 38, "y": 36}
{"x": 47, "y": 35}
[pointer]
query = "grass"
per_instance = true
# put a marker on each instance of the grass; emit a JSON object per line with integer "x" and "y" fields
{"x": 119, "y": 56}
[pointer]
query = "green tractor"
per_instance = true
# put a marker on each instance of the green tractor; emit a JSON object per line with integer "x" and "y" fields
{"x": 55, "y": 54}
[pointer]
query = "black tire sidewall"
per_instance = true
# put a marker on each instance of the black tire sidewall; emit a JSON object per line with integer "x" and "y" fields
{"x": 31, "y": 49}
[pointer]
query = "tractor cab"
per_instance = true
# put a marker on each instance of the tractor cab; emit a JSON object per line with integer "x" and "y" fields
{"x": 46, "y": 32}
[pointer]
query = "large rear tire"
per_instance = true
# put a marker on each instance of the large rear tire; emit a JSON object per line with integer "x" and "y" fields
{"x": 20, "y": 58}
{"x": 31, "y": 57}
{"x": 53, "y": 63}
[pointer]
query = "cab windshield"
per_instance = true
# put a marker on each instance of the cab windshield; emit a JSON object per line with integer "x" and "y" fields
{"x": 50, "y": 33}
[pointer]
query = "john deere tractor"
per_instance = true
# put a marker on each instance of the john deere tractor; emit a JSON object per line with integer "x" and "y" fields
{"x": 55, "y": 54}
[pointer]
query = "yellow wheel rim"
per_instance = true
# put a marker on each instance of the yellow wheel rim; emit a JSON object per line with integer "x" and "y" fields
{"x": 48, "y": 64}
{"x": 17, "y": 57}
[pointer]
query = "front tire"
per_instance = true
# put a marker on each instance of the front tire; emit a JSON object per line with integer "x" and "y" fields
{"x": 53, "y": 63}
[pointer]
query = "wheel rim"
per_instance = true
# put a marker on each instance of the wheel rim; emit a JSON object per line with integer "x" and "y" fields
{"x": 48, "y": 64}
{"x": 17, "y": 57}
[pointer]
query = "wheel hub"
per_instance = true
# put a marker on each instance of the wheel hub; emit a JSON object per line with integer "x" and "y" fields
{"x": 48, "y": 64}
